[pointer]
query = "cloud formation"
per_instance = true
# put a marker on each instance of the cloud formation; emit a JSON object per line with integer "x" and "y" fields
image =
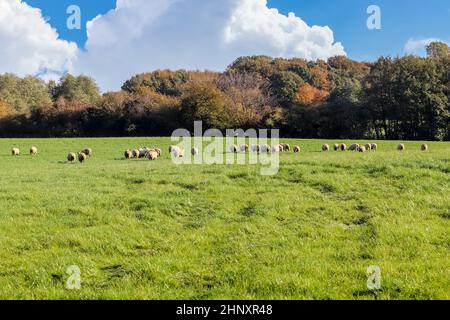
{"x": 29, "y": 45}
{"x": 142, "y": 35}
{"x": 418, "y": 46}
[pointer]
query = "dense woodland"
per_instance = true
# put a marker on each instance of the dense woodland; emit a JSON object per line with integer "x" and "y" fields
{"x": 391, "y": 98}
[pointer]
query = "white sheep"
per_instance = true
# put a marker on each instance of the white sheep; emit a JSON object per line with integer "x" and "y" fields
{"x": 33, "y": 151}
{"x": 234, "y": 149}
{"x": 264, "y": 148}
{"x": 255, "y": 148}
{"x": 152, "y": 155}
{"x": 244, "y": 148}
{"x": 15, "y": 152}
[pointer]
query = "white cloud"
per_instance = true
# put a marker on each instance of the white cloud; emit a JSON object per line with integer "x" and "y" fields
{"x": 418, "y": 46}
{"x": 28, "y": 45}
{"x": 143, "y": 35}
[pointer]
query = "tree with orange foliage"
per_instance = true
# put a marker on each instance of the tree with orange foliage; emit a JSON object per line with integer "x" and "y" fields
{"x": 5, "y": 109}
{"x": 319, "y": 77}
{"x": 307, "y": 95}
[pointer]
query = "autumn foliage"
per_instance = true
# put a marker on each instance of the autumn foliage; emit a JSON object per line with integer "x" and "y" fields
{"x": 391, "y": 98}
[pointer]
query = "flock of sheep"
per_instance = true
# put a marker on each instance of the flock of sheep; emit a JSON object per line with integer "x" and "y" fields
{"x": 81, "y": 156}
{"x": 151, "y": 154}
{"x": 365, "y": 147}
{"x": 177, "y": 152}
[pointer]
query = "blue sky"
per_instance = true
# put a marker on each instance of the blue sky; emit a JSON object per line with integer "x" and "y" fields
{"x": 401, "y": 20}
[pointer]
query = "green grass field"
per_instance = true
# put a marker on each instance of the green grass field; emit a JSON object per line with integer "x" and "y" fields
{"x": 153, "y": 230}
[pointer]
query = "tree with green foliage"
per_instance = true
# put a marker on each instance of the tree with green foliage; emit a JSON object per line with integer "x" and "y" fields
{"x": 80, "y": 89}
{"x": 161, "y": 81}
{"x": 204, "y": 102}
{"x": 24, "y": 94}
{"x": 284, "y": 86}
{"x": 438, "y": 50}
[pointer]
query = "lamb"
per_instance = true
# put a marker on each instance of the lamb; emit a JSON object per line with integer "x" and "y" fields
{"x": 194, "y": 152}
{"x": 152, "y": 155}
{"x": 325, "y": 148}
{"x": 424, "y": 147}
{"x": 87, "y": 152}
{"x": 354, "y": 147}
{"x": 71, "y": 157}
{"x": 128, "y": 154}
{"x": 296, "y": 149}
{"x": 33, "y": 151}
{"x": 336, "y": 147}
{"x": 374, "y": 146}
{"x": 343, "y": 147}
{"x": 159, "y": 151}
{"x": 15, "y": 152}
{"x": 286, "y": 147}
{"x": 368, "y": 146}
{"x": 82, "y": 157}
{"x": 401, "y": 147}
{"x": 135, "y": 153}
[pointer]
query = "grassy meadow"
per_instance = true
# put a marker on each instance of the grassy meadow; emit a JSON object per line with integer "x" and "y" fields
{"x": 153, "y": 230}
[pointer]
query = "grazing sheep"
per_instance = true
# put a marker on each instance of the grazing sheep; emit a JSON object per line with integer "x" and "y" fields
{"x": 401, "y": 147}
{"x": 33, "y": 151}
{"x": 264, "y": 148}
{"x": 374, "y": 146}
{"x": 343, "y": 147}
{"x": 286, "y": 147}
{"x": 135, "y": 153}
{"x": 362, "y": 149}
{"x": 368, "y": 146}
{"x": 336, "y": 147}
{"x": 194, "y": 152}
{"x": 152, "y": 155}
{"x": 354, "y": 147}
{"x": 325, "y": 148}
{"x": 82, "y": 157}
{"x": 159, "y": 151}
{"x": 234, "y": 149}
{"x": 277, "y": 148}
{"x": 143, "y": 153}
{"x": 244, "y": 148}
{"x": 296, "y": 149}
{"x": 87, "y": 152}
{"x": 255, "y": 148}
{"x": 177, "y": 152}
{"x": 71, "y": 157}
{"x": 15, "y": 152}
{"x": 128, "y": 154}
{"x": 424, "y": 147}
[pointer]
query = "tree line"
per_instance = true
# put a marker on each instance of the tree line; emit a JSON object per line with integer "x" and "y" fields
{"x": 391, "y": 98}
